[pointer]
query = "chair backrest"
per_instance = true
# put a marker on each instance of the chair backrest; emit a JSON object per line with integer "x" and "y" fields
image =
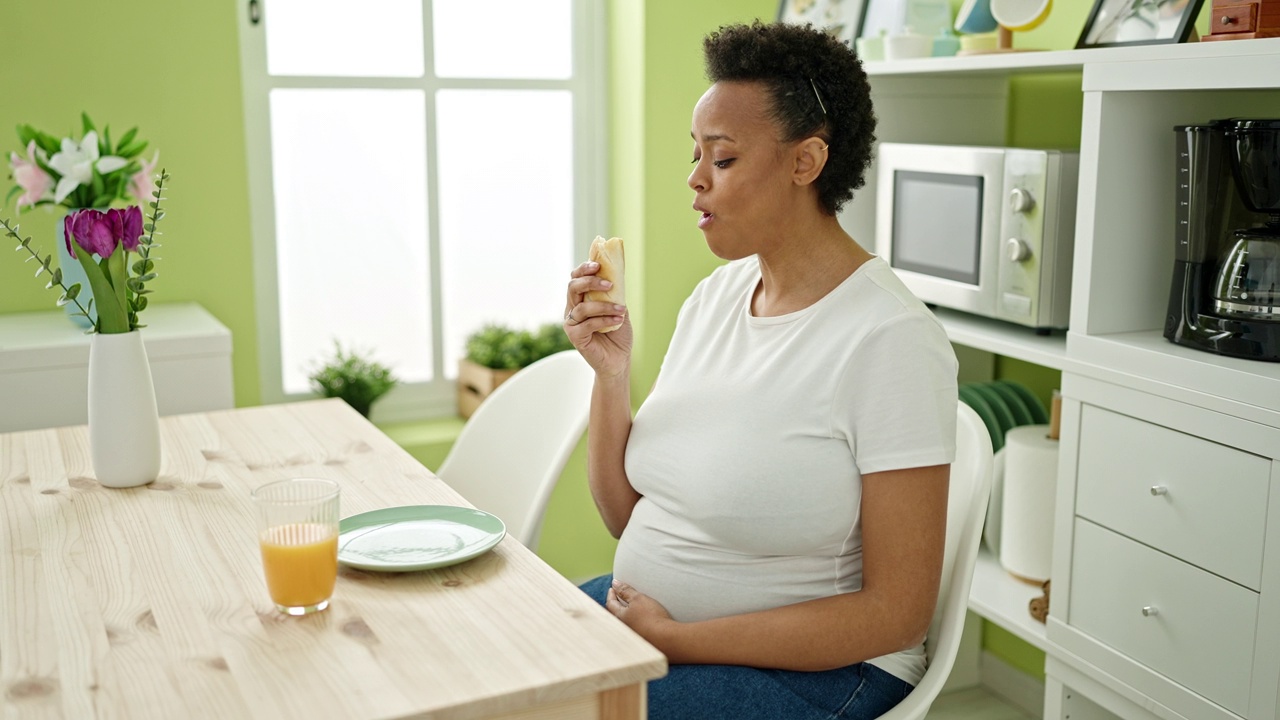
{"x": 509, "y": 455}
{"x": 970, "y": 489}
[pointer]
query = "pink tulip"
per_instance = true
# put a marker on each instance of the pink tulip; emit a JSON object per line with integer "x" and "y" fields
{"x": 29, "y": 176}
{"x": 143, "y": 182}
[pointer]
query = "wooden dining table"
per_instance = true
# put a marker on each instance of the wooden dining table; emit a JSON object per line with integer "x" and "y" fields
{"x": 150, "y": 602}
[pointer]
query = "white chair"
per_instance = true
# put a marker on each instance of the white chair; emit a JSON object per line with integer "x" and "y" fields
{"x": 513, "y": 448}
{"x": 967, "y": 498}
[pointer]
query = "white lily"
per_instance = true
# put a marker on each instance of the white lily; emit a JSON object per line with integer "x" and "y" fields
{"x": 76, "y": 161}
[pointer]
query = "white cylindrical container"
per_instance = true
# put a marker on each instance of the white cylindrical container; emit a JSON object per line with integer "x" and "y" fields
{"x": 124, "y": 425}
{"x": 1030, "y": 480}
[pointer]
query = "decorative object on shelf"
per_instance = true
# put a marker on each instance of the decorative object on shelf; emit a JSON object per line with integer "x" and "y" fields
{"x": 891, "y": 19}
{"x": 1005, "y": 17}
{"x": 1139, "y": 22}
{"x": 90, "y": 172}
{"x": 907, "y": 45}
{"x": 357, "y": 379}
{"x": 124, "y": 425}
{"x": 1039, "y": 607}
{"x": 1225, "y": 292}
{"x": 974, "y": 17}
{"x": 838, "y": 17}
{"x": 871, "y": 49}
{"x": 945, "y": 43}
{"x": 496, "y": 352}
{"x": 1243, "y": 19}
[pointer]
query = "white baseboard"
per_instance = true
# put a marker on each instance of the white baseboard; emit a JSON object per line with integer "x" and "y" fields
{"x": 1018, "y": 688}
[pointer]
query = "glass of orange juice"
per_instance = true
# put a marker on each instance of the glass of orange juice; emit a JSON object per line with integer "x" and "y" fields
{"x": 298, "y": 534}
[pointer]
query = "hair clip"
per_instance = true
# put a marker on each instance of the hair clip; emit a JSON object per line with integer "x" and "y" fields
{"x": 817, "y": 95}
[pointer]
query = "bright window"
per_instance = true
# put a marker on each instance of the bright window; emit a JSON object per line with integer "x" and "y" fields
{"x": 418, "y": 168}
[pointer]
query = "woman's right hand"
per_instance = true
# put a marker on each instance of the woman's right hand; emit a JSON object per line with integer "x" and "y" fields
{"x": 609, "y": 354}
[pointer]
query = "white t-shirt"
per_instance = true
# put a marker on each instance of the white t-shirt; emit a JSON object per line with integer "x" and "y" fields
{"x": 749, "y": 452}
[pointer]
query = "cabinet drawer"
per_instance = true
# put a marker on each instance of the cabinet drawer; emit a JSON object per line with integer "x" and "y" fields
{"x": 1209, "y": 506}
{"x": 1198, "y": 630}
{"x": 1233, "y": 19}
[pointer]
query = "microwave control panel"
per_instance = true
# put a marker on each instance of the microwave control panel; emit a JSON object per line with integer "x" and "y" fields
{"x": 1036, "y": 244}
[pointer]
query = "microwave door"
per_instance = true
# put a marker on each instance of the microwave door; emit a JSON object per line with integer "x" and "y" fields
{"x": 941, "y": 215}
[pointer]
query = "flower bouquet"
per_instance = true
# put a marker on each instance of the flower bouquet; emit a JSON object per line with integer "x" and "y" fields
{"x": 87, "y": 176}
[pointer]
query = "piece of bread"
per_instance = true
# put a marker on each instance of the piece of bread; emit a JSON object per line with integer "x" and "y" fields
{"x": 609, "y": 254}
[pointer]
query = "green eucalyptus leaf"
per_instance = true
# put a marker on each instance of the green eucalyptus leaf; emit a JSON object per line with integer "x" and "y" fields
{"x": 57, "y": 276}
{"x": 63, "y": 300}
{"x": 149, "y": 227}
{"x": 147, "y": 278}
{"x": 73, "y": 292}
{"x": 142, "y": 303}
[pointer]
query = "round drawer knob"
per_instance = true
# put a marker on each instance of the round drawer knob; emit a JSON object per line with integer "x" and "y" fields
{"x": 1150, "y": 611}
{"x": 1159, "y": 490}
{"x": 1227, "y": 19}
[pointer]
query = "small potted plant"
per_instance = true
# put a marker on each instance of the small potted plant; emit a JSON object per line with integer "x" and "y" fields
{"x": 358, "y": 380}
{"x": 496, "y": 352}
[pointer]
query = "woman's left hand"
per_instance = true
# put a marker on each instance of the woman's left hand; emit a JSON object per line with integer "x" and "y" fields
{"x": 640, "y": 612}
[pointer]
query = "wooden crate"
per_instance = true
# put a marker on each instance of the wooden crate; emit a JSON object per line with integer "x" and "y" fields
{"x": 1243, "y": 19}
{"x": 475, "y": 383}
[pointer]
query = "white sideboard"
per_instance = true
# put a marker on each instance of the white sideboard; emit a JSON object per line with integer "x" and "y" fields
{"x": 1166, "y": 568}
{"x": 44, "y": 365}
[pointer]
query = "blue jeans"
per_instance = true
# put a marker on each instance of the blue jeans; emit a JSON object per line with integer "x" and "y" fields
{"x": 733, "y": 692}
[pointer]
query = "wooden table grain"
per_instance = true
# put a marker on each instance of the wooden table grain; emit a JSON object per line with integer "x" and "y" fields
{"x": 151, "y": 603}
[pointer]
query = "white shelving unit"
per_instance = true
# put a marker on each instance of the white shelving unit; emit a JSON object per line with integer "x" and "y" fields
{"x": 1115, "y": 359}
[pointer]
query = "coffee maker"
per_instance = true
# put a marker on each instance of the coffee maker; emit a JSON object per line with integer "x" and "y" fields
{"x": 1225, "y": 296}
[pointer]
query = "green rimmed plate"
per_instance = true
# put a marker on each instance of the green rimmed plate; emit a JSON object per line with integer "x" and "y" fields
{"x": 1038, "y": 411}
{"x": 1021, "y": 413}
{"x": 1003, "y": 414}
{"x": 988, "y": 416}
{"x": 416, "y": 537}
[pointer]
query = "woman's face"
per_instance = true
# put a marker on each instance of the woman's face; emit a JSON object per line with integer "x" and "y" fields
{"x": 742, "y": 175}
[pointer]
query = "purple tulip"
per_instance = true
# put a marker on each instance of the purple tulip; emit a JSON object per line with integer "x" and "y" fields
{"x": 132, "y": 227}
{"x": 93, "y": 232}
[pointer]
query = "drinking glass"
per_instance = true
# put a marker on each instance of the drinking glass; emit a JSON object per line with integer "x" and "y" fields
{"x": 298, "y": 534}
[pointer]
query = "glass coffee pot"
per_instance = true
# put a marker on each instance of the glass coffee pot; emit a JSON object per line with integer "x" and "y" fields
{"x": 1248, "y": 282}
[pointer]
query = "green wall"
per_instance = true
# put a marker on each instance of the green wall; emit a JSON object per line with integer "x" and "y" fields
{"x": 173, "y": 70}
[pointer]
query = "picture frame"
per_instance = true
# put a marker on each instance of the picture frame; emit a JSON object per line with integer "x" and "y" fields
{"x": 840, "y": 18}
{"x": 893, "y": 17}
{"x": 1114, "y": 23}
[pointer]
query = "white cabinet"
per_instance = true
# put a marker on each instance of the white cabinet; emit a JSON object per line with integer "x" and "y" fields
{"x": 1169, "y": 483}
{"x": 44, "y": 365}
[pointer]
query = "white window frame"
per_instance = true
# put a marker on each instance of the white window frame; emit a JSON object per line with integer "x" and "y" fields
{"x": 438, "y": 397}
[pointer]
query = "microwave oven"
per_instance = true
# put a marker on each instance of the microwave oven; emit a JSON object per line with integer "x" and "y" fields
{"x": 984, "y": 230}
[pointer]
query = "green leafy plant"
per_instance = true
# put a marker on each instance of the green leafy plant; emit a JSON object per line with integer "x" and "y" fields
{"x": 504, "y": 348}
{"x": 357, "y": 379}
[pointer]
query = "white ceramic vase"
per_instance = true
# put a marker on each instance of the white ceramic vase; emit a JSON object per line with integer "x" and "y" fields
{"x": 124, "y": 425}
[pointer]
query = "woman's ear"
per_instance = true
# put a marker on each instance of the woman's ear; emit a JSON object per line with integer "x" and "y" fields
{"x": 810, "y": 157}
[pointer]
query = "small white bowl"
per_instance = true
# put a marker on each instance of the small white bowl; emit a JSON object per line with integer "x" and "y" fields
{"x": 902, "y": 47}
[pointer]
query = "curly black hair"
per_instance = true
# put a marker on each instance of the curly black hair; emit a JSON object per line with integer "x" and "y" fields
{"x": 817, "y": 87}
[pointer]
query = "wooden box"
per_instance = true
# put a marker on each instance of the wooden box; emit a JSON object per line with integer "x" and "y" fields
{"x": 1242, "y": 19}
{"x": 475, "y": 383}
